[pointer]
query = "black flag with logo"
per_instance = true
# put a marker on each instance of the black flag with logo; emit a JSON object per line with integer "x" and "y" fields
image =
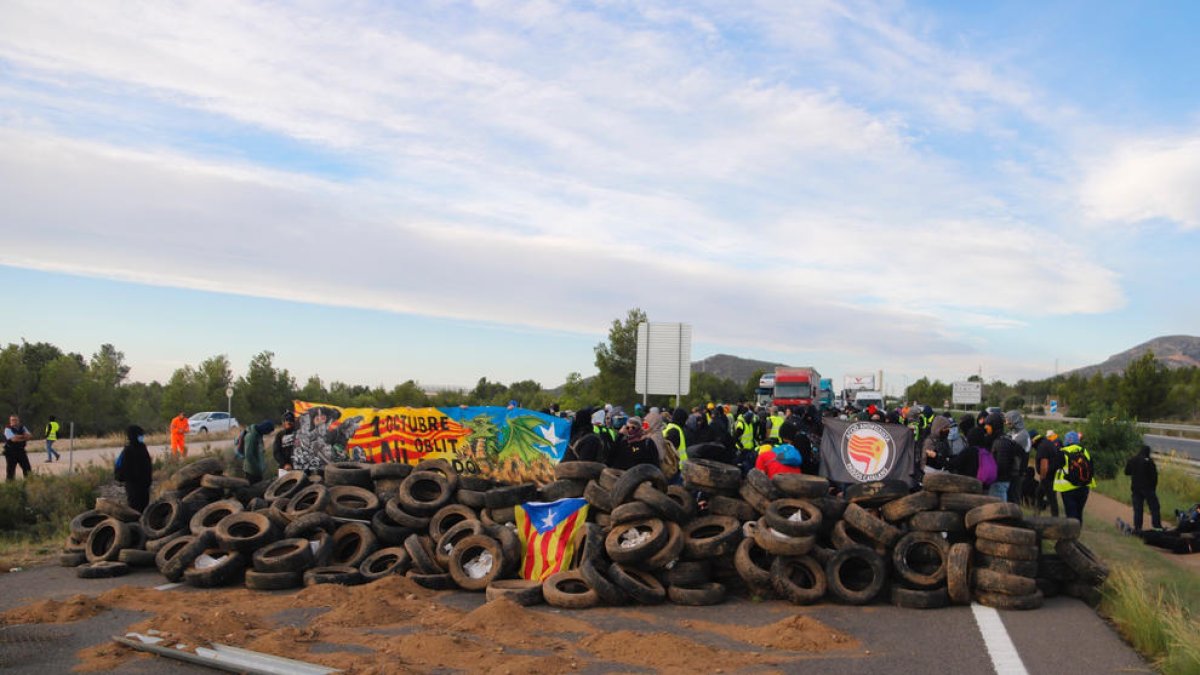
{"x": 860, "y": 452}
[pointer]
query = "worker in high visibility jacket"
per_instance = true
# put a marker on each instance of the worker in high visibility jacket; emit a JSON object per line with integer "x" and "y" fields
{"x": 775, "y": 420}
{"x": 179, "y": 427}
{"x": 1075, "y": 478}
{"x": 743, "y": 431}
{"x": 673, "y": 432}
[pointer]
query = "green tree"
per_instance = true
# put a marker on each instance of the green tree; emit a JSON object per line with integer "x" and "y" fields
{"x": 16, "y": 383}
{"x": 213, "y": 377}
{"x": 488, "y": 393}
{"x": 1144, "y": 389}
{"x": 408, "y": 394}
{"x": 314, "y": 391}
{"x": 102, "y": 388}
{"x": 751, "y": 385}
{"x": 60, "y": 391}
{"x": 264, "y": 392}
{"x": 575, "y": 393}
{"x": 617, "y": 361}
{"x": 182, "y": 393}
{"x": 1110, "y": 437}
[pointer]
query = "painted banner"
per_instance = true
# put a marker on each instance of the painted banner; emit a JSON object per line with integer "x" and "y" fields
{"x": 511, "y": 445}
{"x": 860, "y": 452}
{"x": 549, "y": 533}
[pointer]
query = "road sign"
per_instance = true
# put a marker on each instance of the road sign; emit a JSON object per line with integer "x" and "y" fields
{"x": 664, "y": 359}
{"x": 1053, "y": 407}
{"x": 967, "y": 393}
{"x": 228, "y": 392}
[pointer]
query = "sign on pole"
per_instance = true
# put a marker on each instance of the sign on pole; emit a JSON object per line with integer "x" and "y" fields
{"x": 1053, "y": 407}
{"x": 664, "y": 359}
{"x": 967, "y": 393}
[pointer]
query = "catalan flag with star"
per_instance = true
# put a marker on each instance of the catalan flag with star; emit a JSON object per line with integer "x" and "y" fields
{"x": 549, "y": 532}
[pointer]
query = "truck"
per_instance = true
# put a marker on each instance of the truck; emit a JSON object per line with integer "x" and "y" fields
{"x": 765, "y": 393}
{"x": 825, "y": 393}
{"x": 853, "y": 383}
{"x": 795, "y": 387}
{"x": 864, "y": 398}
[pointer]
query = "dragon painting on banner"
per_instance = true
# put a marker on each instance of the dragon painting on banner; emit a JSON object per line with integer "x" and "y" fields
{"x": 511, "y": 445}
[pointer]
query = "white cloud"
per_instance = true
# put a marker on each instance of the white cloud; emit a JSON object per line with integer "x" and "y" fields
{"x": 1144, "y": 180}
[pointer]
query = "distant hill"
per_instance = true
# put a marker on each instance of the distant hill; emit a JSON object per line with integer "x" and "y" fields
{"x": 732, "y": 367}
{"x": 1173, "y": 351}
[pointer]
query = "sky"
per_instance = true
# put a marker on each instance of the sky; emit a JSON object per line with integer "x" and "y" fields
{"x": 443, "y": 191}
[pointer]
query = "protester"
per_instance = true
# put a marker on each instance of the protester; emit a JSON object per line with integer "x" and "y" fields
{"x": 1047, "y": 462}
{"x": 653, "y": 426}
{"x": 253, "y": 462}
{"x": 52, "y": 428}
{"x": 179, "y": 429}
{"x": 285, "y": 442}
{"x": 1143, "y": 485}
{"x": 966, "y": 462}
{"x": 782, "y": 458}
{"x": 134, "y": 468}
{"x": 1074, "y": 479}
{"x": 674, "y": 432}
{"x": 958, "y": 436}
{"x": 633, "y": 447}
{"x": 15, "y": 438}
{"x": 937, "y": 445}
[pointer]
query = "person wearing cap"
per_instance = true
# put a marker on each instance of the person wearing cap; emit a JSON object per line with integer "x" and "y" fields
{"x": 285, "y": 442}
{"x": 1074, "y": 496}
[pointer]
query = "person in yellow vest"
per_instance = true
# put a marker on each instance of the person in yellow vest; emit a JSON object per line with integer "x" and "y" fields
{"x": 179, "y": 427}
{"x": 776, "y": 420}
{"x": 52, "y": 436}
{"x": 673, "y": 432}
{"x": 743, "y": 431}
{"x": 1075, "y": 478}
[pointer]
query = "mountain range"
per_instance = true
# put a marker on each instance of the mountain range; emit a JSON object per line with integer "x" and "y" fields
{"x": 1172, "y": 351}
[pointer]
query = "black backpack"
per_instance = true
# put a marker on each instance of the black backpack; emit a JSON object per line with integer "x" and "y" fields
{"x": 1078, "y": 469}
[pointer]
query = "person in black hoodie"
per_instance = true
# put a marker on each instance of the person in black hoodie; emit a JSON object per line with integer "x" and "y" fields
{"x": 585, "y": 445}
{"x": 1143, "y": 483}
{"x": 133, "y": 468}
{"x": 966, "y": 463}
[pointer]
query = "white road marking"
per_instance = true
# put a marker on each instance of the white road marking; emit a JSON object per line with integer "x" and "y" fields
{"x": 1000, "y": 647}
{"x": 167, "y": 587}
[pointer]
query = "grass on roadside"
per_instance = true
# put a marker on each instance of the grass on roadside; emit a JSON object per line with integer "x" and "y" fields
{"x": 1177, "y": 489}
{"x": 1148, "y": 598}
{"x": 116, "y": 440}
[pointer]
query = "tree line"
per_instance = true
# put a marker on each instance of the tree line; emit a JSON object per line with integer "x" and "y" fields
{"x": 39, "y": 379}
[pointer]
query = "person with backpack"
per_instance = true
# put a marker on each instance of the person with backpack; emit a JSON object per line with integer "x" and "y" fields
{"x": 1143, "y": 485}
{"x": 968, "y": 461}
{"x": 134, "y": 468}
{"x": 1047, "y": 462}
{"x": 1009, "y": 466}
{"x": 1076, "y": 478}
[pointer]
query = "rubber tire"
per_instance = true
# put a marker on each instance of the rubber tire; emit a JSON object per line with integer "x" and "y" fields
{"x": 950, "y": 483}
{"x": 1009, "y": 551}
{"x": 991, "y": 581}
{"x": 471, "y": 499}
{"x": 524, "y": 592}
{"x": 844, "y": 536}
{"x": 415, "y": 495}
{"x": 859, "y": 593}
{"x": 352, "y": 474}
{"x": 352, "y": 543}
{"x": 686, "y": 501}
{"x": 396, "y": 471}
{"x": 779, "y": 510}
{"x": 657, "y": 530}
{"x": 950, "y": 522}
{"x": 510, "y": 496}
{"x": 102, "y": 569}
{"x": 352, "y": 501}
{"x": 905, "y": 507}
{"x": 441, "y": 466}
{"x": 458, "y": 557}
{"x": 403, "y": 518}
{"x": 691, "y": 572}
{"x": 160, "y": 516}
{"x": 179, "y": 554}
{"x": 779, "y": 544}
{"x": 1003, "y": 512}
{"x": 662, "y": 502}
{"x": 273, "y": 581}
{"x": 445, "y": 544}
{"x": 876, "y": 493}
{"x": 312, "y": 498}
{"x": 608, "y": 477}
{"x": 720, "y": 505}
{"x": 309, "y": 523}
{"x": 622, "y": 490}
{"x": 563, "y": 590}
{"x": 387, "y": 531}
{"x": 475, "y": 483}
{"x": 1006, "y": 534}
{"x": 783, "y": 579}
{"x": 230, "y": 569}
{"x": 585, "y": 471}
{"x": 106, "y": 540}
{"x": 760, "y": 483}
{"x": 1001, "y": 601}
{"x": 706, "y": 473}
{"x": 199, "y": 498}
{"x": 876, "y": 529}
{"x": 286, "y": 485}
{"x": 82, "y": 524}
{"x": 958, "y": 574}
{"x": 801, "y": 486}
{"x": 434, "y": 582}
{"x": 510, "y": 542}
{"x": 594, "y": 573}
{"x": 1081, "y": 559}
{"x": 447, "y": 517}
{"x": 699, "y": 595}
{"x": 188, "y": 477}
{"x": 1052, "y": 566}
{"x": 72, "y": 558}
{"x": 560, "y": 489}
{"x": 641, "y": 587}
{"x": 962, "y": 502}
{"x": 911, "y": 598}
{"x": 420, "y": 550}
{"x": 711, "y": 536}
{"x": 344, "y": 575}
{"x": 136, "y": 557}
{"x": 264, "y": 532}
{"x": 115, "y": 509}
{"x": 753, "y": 564}
{"x": 598, "y": 497}
{"x": 210, "y": 516}
{"x": 669, "y": 552}
{"x": 631, "y": 511}
{"x": 226, "y": 483}
{"x": 1024, "y": 568}
{"x": 903, "y": 568}
{"x": 284, "y": 556}
{"x": 1056, "y": 529}
{"x": 384, "y": 563}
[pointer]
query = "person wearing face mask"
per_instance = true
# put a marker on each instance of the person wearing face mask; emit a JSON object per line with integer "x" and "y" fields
{"x": 134, "y": 469}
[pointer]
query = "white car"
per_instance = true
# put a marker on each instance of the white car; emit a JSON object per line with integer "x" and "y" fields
{"x": 205, "y": 422}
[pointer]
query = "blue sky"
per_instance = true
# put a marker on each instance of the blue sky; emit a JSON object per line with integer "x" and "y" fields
{"x": 442, "y": 191}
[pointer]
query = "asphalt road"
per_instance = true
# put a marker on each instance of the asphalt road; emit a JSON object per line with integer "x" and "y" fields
{"x": 106, "y": 456}
{"x": 1184, "y": 446}
{"x": 1064, "y": 637}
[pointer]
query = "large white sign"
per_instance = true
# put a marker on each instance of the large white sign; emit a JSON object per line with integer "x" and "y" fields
{"x": 967, "y": 393}
{"x": 664, "y": 359}
{"x": 856, "y": 382}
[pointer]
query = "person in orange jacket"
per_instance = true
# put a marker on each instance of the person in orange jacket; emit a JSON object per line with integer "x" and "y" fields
{"x": 179, "y": 427}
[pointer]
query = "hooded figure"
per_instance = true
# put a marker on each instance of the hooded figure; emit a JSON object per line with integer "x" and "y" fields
{"x": 966, "y": 463}
{"x": 654, "y": 428}
{"x": 633, "y": 447}
{"x": 1017, "y": 430}
{"x": 134, "y": 469}
{"x": 936, "y": 445}
{"x": 581, "y": 424}
{"x": 252, "y": 448}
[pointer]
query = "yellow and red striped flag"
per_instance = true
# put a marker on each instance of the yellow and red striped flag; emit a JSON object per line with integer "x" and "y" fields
{"x": 549, "y": 533}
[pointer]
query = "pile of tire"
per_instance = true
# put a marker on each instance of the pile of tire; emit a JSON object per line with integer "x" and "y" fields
{"x": 645, "y": 541}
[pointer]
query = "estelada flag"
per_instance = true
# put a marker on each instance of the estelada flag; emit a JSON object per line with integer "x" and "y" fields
{"x": 549, "y": 533}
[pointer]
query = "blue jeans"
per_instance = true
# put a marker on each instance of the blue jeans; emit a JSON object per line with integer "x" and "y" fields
{"x": 999, "y": 489}
{"x": 50, "y": 452}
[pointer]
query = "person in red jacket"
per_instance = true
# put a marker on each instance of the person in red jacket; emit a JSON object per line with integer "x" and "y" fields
{"x": 783, "y": 458}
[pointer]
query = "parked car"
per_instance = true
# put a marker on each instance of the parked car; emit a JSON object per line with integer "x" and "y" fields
{"x": 205, "y": 422}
